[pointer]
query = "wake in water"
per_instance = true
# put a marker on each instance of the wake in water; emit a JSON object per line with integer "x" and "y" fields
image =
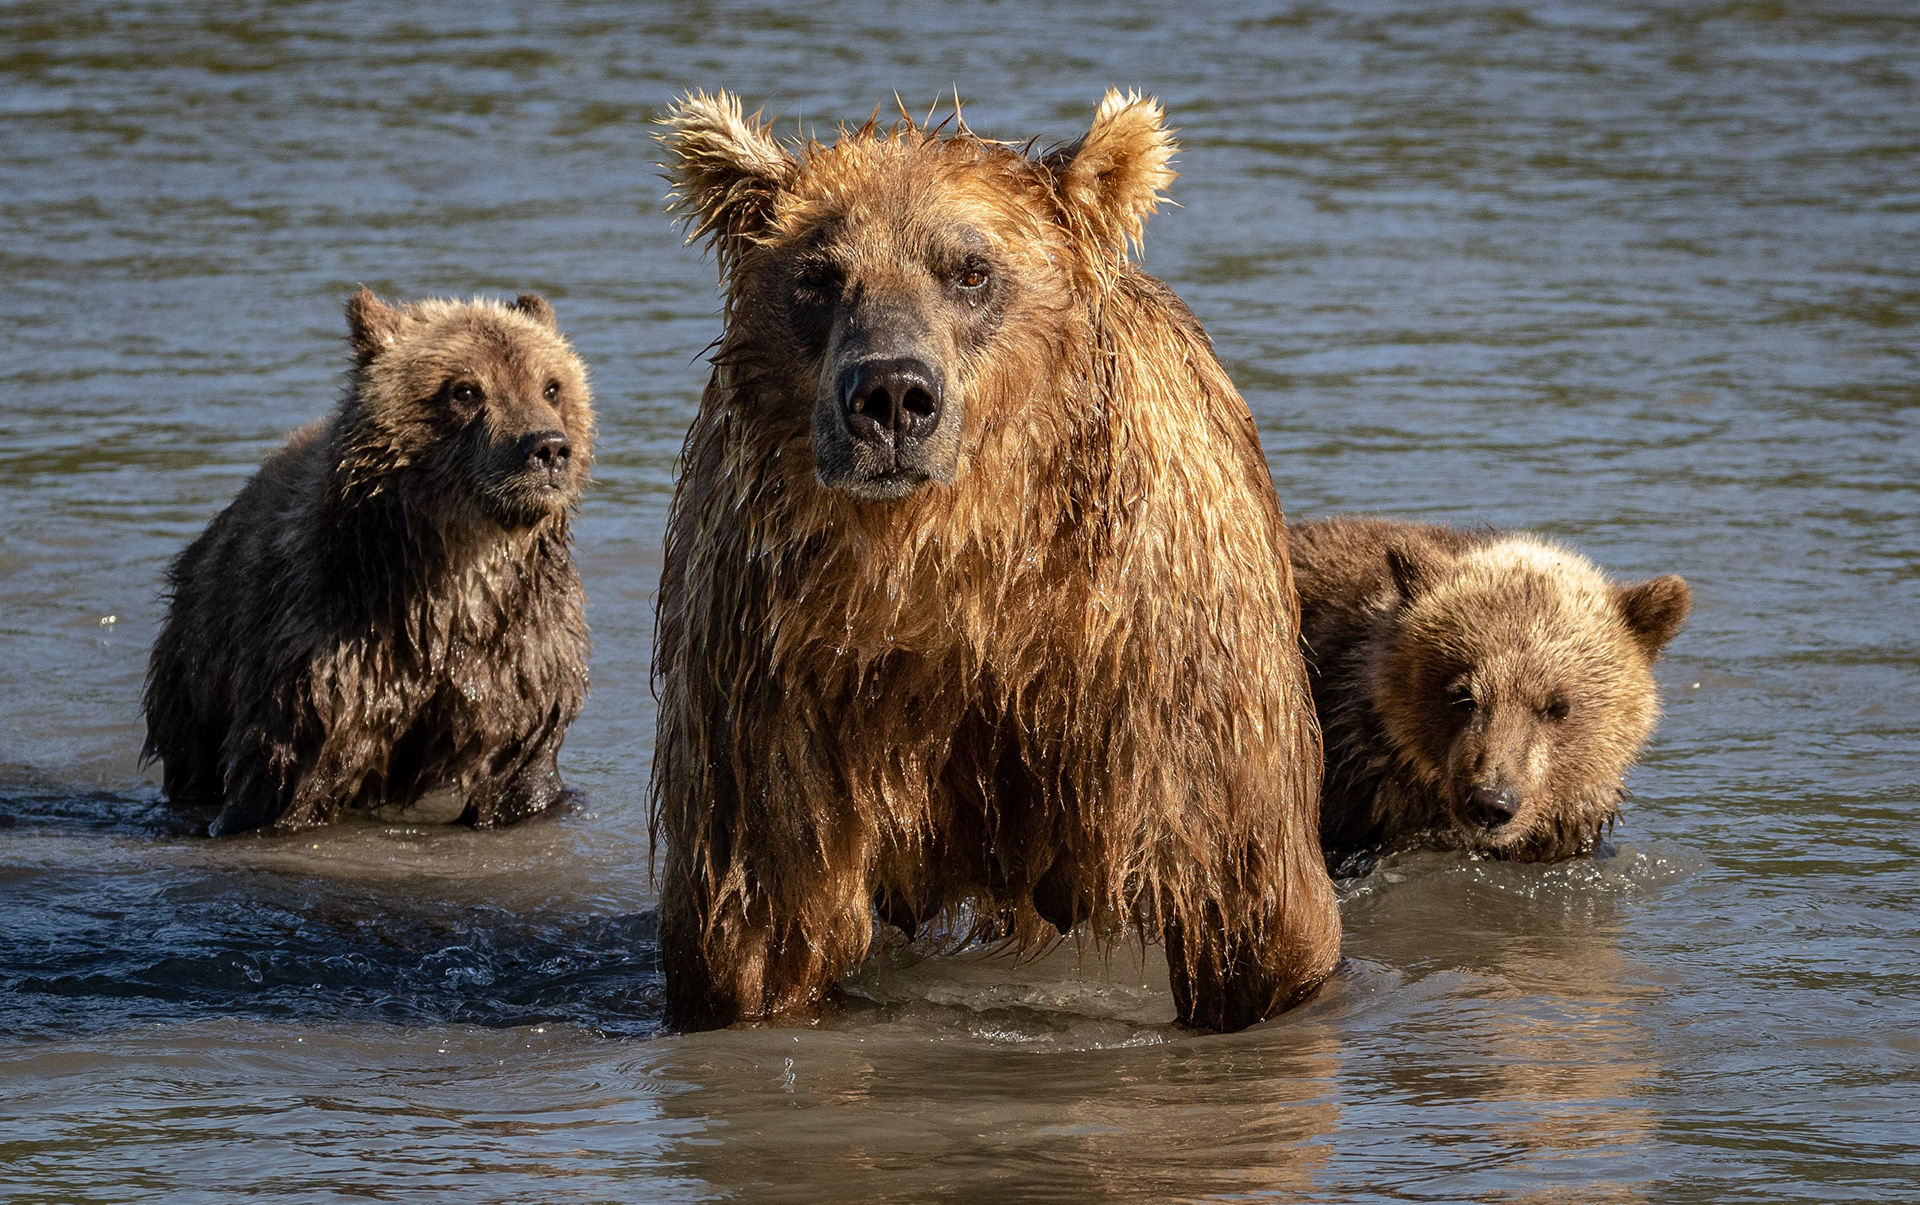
{"x": 117, "y": 931}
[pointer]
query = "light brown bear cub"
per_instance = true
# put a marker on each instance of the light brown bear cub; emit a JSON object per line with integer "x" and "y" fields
{"x": 969, "y": 604}
{"x": 389, "y": 611}
{"x": 1486, "y": 690}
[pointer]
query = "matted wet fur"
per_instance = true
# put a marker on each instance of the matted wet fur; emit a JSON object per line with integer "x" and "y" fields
{"x": 389, "y": 608}
{"x": 998, "y": 636}
{"x": 1483, "y": 690}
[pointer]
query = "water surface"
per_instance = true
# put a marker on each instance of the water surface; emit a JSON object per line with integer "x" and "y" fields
{"x": 1644, "y": 277}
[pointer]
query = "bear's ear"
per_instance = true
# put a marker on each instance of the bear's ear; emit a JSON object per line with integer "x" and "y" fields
{"x": 725, "y": 169}
{"x": 1414, "y": 573}
{"x": 537, "y": 308}
{"x": 371, "y": 323}
{"x": 1109, "y": 181}
{"x": 1654, "y": 610}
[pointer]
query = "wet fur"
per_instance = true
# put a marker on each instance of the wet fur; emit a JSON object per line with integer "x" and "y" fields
{"x": 385, "y": 609}
{"x": 1393, "y": 614}
{"x": 1062, "y": 689}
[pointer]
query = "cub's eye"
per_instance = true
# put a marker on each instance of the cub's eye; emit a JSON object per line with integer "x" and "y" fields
{"x": 972, "y": 278}
{"x": 1460, "y": 696}
{"x": 1556, "y": 709}
{"x": 551, "y": 391}
{"x": 466, "y": 393}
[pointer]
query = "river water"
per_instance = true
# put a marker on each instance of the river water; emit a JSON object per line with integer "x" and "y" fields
{"x": 1645, "y": 277}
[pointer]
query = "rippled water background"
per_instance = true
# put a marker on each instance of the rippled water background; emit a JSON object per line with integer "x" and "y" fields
{"x": 1647, "y": 277}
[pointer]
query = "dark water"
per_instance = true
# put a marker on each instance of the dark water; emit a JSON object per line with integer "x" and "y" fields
{"x": 1645, "y": 277}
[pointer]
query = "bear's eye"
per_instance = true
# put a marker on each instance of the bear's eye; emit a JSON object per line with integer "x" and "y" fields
{"x": 1460, "y": 695}
{"x": 818, "y": 277}
{"x": 1556, "y": 709}
{"x": 466, "y": 393}
{"x": 551, "y": 391}
{"x": 972, "y": 278}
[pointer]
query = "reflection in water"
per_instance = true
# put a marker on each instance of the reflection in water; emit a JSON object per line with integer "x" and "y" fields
{"x": 1547, "y": 1063}
{"x": 1059, "y": 1079}
{"x": 1644, "y": 276}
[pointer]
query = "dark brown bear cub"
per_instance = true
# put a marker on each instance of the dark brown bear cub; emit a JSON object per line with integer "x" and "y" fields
{"x": 388, "y": 615}
{"x": 1486, "y": 690}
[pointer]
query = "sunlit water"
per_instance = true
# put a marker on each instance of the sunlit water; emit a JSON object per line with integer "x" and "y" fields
{"x": 1648, "y": 279}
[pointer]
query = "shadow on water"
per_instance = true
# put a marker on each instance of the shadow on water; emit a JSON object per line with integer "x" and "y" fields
{"x": 94, "y": 942}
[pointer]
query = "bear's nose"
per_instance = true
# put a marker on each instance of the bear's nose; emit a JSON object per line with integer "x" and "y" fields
{"x": 548, "y": 450}
{"x": 890, "y": 400}
{"x": 1492, "y": 807}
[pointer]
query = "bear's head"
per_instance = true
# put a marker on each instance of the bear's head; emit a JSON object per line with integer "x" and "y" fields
{"x": 1516, "y": 683}
{"x": 898, "y": 294}
{"x": 470, "y": 410}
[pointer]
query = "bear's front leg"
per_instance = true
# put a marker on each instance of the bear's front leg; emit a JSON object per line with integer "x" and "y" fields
{"x": 530, "y": 787}
{"x": 278, "y": 768}
{"x": 1251, "y": 952}
{"x": 758, "y": 928}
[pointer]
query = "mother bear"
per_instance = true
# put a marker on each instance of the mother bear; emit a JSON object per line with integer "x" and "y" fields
{"x": 976, "y": 599}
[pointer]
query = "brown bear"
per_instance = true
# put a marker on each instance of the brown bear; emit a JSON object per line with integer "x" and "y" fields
{"x": 388, "y": 614}
{"x": 969, "y": 605}
{"x": 1484, "y": 690}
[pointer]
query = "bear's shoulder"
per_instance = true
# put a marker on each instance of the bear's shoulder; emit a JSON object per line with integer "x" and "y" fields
{"x": 1153, "y": 295}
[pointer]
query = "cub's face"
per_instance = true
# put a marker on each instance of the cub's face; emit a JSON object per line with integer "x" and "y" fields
{"x": 1518, "y": 686}
{"x": 893, "y": 296}
{"x": 486, "y": 406}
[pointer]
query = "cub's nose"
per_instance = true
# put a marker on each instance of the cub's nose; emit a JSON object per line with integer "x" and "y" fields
{"x": 548, "y": 450}
{"x": 890, "y": 400}
{"x": 1492, "y": 807}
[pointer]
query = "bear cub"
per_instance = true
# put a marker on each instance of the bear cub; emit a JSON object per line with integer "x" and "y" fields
{"x": 388, "y": 617}
{"x": 1485, "y": 690}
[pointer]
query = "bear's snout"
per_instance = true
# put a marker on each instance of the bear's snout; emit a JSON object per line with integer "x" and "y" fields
{"x": 548, "y": 454}
{"x": 530, "y": 473}
{"x": 884, "y": 427}
{"x": 891, "y": 403}
{"x": 1491, "y": 806}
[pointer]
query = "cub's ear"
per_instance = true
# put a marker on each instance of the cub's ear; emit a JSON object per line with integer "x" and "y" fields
{"x": 725, "y": 169}
{"x": 1654, "y": 610}
{"x": 1110, "y": 180}
{"x": 1414, "y": 572}
{"x": 537, "y": 308}
{"x": 371, "y": 324}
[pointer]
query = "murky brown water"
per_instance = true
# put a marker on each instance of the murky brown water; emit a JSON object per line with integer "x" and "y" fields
{"x": 1646, "y": 277}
